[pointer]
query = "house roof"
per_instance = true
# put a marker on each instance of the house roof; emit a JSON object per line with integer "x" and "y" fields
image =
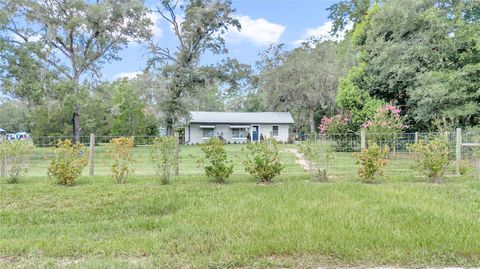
{"x": 240, "y": 117}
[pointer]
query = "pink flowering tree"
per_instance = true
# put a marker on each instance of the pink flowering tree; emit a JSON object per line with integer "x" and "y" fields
{"x": 334, "y": 125}
{"x": 337, "y": 129}
{"x": 385, "y": 124}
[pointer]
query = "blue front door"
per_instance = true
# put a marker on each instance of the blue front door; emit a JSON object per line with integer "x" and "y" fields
{"x": 255, "y": 133}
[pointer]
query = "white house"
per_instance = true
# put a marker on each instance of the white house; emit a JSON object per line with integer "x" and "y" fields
{"x": 237, "y": 127}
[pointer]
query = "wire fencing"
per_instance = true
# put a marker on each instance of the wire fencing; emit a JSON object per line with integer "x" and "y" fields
{"x": 464, "y": 153}
{"x": 463, "y": 149}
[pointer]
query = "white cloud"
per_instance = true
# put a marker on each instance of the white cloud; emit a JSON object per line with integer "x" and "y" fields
{"x": 129, "y": 75}
{"x": 259, "y": 31}
{"x": 156, "y": 29}
{"x": 322, "y": 32}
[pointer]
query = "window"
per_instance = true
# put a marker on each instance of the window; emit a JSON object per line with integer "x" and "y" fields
{"x": 275, "y": 130}
{"x": 239, "y": 133}
{"x": 208, "y": 132}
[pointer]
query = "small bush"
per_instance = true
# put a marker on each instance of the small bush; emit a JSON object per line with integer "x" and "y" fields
{"x": 14, "y": 159}
{"x": 119, "y": 152}
{"x": 372, "y": 160}
{"x": 262, "y": 160}
{"x": 162, "y": 155}
{"x": 318, "y": 155}
{"x": 431, "y": 158}
{"x": 214, "y": 161}
{"x": 466, "y": 167}
{"x": 68, "y": 162}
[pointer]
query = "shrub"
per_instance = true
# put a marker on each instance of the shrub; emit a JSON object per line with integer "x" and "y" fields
{"x": 119, "y": 151}
{"x": 162, "y": 155}
{"x": 372, "y": 160}
{"x": 384, "y": 125}
{"x": 68, "y": 162}
{"x": 431, "y": 158}
{"x": 262, "y": 160}
{"x": 14, "y": 159}
{"x": 214, "y": 161}
{"x": 338, "y": 129}
{"x": 318, "y": 155}
{"x": 334, "y": 125}
{"x": 466, "y": 167}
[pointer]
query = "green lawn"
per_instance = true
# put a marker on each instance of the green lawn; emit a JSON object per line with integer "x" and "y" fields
{"x": 194, "y": 223}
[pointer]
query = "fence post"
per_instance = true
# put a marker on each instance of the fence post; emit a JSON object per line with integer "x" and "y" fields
{"x": 91, "y": 161}
{"x": 458, "y": 150}
{"x": 3, "y": 164}
{"x": 177, "y": 149}
{"x": 416, "y": 137}
{"x": 394, "y": 144}
{"x": 363, "y": 141}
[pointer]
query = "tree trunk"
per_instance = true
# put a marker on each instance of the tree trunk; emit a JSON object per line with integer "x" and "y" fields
{"x": 169, "y": 122}
{"x": 76, "y": 124}
{"x": 311, "y": 119}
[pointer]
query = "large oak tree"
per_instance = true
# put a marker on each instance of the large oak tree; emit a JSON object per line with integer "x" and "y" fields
{"x": 73, "y": 38}
{"x": 199, "y": 27}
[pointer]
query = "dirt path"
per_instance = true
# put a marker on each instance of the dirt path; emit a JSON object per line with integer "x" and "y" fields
{"x": 300, "y": 158}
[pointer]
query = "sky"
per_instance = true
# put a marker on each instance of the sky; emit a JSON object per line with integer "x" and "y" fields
{"x": 263, "y": 23}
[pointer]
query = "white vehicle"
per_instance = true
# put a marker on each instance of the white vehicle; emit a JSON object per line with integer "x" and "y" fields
{"x": 22, "y": 136}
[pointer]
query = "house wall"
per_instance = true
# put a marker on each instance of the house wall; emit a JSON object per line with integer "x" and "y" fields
{"x": 194, "y": 134}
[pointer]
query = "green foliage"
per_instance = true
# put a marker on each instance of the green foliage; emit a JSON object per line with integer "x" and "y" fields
{"x": 107, "y": 27}
{"x": 422, "y": 55}
{"x": 68, "y": 162}
{"x": 347, "y": 11}
{"x": 372, "y": 160}
{"x": 431, "y": 158}
{"x": 131, "y": 118}
{"x": 14, "y": 116}
{"x": 319, "y": 155}
{"x": 15, "y": 159}
{"x": 214, "y": 160}
{"x": 120, "y": 155}
{"x": 302, "y": 81}
{"x": 262, "y": 160}
{"x": 452, "y": 95}
{"x": 162, "y": 155}
{"x": 358, "y": 103}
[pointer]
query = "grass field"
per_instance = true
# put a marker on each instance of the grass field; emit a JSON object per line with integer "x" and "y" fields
{"x": 193, "y": 223}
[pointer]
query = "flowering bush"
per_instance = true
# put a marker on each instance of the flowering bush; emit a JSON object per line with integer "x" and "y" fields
{"x": 337, "y": 128}
{"x": 68, "y": 162}
{"x": 334, "y": 125}
{"x": 385, "y": 124}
